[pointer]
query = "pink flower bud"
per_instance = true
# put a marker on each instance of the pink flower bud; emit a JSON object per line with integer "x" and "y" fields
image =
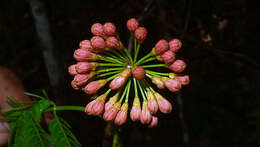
{"x": 83, "y": 79}
{"x": 94, "y": 86}
{"x": 86, "y": 44}
{"x": 164, "y": 105}
{"x": 132, "y": 24}
{"x": 109, "y": 29}
{"x": 72, "y": 70}
{"x": 185, "y": 80}
{"x": 111, "y": 102}
{"x": 168, "y": 57}
{"x": 112, "y": 42}
{"x": 152, "y": 103}
{"x": 84, "y": 67}
{"x": 122, "y": 115}
{"x": 178, "y": 66}
{"x": 140, "y": 34}
{"x": 85, "y": 55}
{"x": 119, "y": 81}
{"x": 158, "y": 82}
{"x": 74, "y": 85}
{"x": 160, "y": 47}
{"x": 146, "y": 116}
{"x": 98, "y": 43}
{"x": 154, "y": 122}
{"x": 98, "y": 107}
{"x": 136, "y": 110}
{"x": 111, "y": 113}
{"x": 88, "y": 108}
{"x": 97, "y": 29}
{"x": 138, "y": 72}
{"x": 175, "y": 45}
{"x": 173, "y": 85}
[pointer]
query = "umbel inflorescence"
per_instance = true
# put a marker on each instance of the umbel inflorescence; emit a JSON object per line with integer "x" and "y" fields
{"x": 104, "y": 60}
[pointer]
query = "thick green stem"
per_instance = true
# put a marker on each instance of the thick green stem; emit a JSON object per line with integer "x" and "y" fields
{"x": 135, "y": 87}
{"x": 137, "y": 51}
{"x": 157, "y": 73}
{"x": 108, "y": 73}
{"x": 149, "y": 59}
{"x": 112, "y": 60}
{"x": 128, "y": 90}
{"x": 109, "y": 69}
{"x": 154, "y": 65}
{"x": 112, "y": 77}
{"x": 60, "y": 108}
{"x": 109, "y": 64}
{"x": 142, "y": 59}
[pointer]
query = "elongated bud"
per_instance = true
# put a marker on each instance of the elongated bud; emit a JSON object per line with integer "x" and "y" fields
{"x": 158, "y": 82}
{"x": 173, "y": 85}
{"x": 160, "y": 47}
{"x": 86, "y": 44}
{"x": 97, "y": 29}
{"x": 140, "y": 34}
{"x": 98, "y": 43}
{"x": 168, "y": 57}
{"x": 146, "y": 116}
{"x": 178, "y": 66}
{"x": 111, "y": 113}
{"x": 98, "y": 107}
{"x": 136, "y": 110}
{"x": 185, "y": 80}
{"x": 112, "y": 43}
{"x": 111, "y": 102}
{"x": 94, "y": 86}
{"x": 84, "y": 67}
{"x": 72, "y": 70}
{"x": 89, "y": 108}
{"x": 85, "y": 55}
{"x": 122, "y": 115}
{"x": 138, "y": 72}
{"x": 83, "y": 79}
{"x": 152, "y": 103}
{"x": 154, "y": 122}
{"x": 164, "y": 105}
{"x": 119, "y": 81}
{"x": 175, "y": 45}
{"x": 109, "y": 29}
{"x": 132, "y": 24}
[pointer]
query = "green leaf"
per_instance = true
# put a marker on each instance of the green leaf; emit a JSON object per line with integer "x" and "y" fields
{"x": 26, "y": 132}
{"x": 61, "y": 136}
{"x": 34, "y": 95}
{"x": 39, "y": 108}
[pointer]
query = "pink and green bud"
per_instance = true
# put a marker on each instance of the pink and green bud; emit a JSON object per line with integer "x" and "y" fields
{"x": 136, "y": 110}
{"x": 132, "y": 24}
{"x": 164, "y": 105}
{"x": 86, "y": 44}
{"x": 146, "y": 116}
{"x": 111, "y": 113}
{"x": 74, "y": 85}
{"x": 121, "y": 116}
{"x": 85, "y": 55}
{"x": 98, "y": 43}
{"x": 112, "y": 43}
{"x": 111, "y": 102}
{"x": 97, "y": 29}
{"x": 84, "y": 67}
{"x": 98, "y": 107}
{"x": 160, "y": 47}
{"x": 173, "y": 85}
{"x": 109, "y": 29}
{"x": 72, "y": 70}
{"x": 185, "y": 80}
{"x": 152, "y": 103}
{"x": 175, "y": 45}
{"x": 154, "y": 122}
{"x": 89, "y": 108}
{"x": 178, "y": 66}
{"x": 138, "y": 72}
{"x": 83, "y": 79}
{"x": 94, "y": 86}
{"x": 168, "y": 57}
{"x": 158, "y": 82}
{"x": 140, "y": 34}
{"x": 119, "y": 81}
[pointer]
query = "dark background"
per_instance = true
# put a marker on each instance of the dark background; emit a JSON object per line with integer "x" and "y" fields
{"x": 220, "y": 45}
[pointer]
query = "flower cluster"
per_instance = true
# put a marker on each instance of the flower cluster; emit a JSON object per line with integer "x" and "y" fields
{"x": 103, "y": 61}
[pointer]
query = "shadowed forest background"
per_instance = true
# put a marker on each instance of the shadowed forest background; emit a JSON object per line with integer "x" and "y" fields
{"x": 220, "y": 46}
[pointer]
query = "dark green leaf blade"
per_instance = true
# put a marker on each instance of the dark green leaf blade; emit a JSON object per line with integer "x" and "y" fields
{"x": 39, "y": 108}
